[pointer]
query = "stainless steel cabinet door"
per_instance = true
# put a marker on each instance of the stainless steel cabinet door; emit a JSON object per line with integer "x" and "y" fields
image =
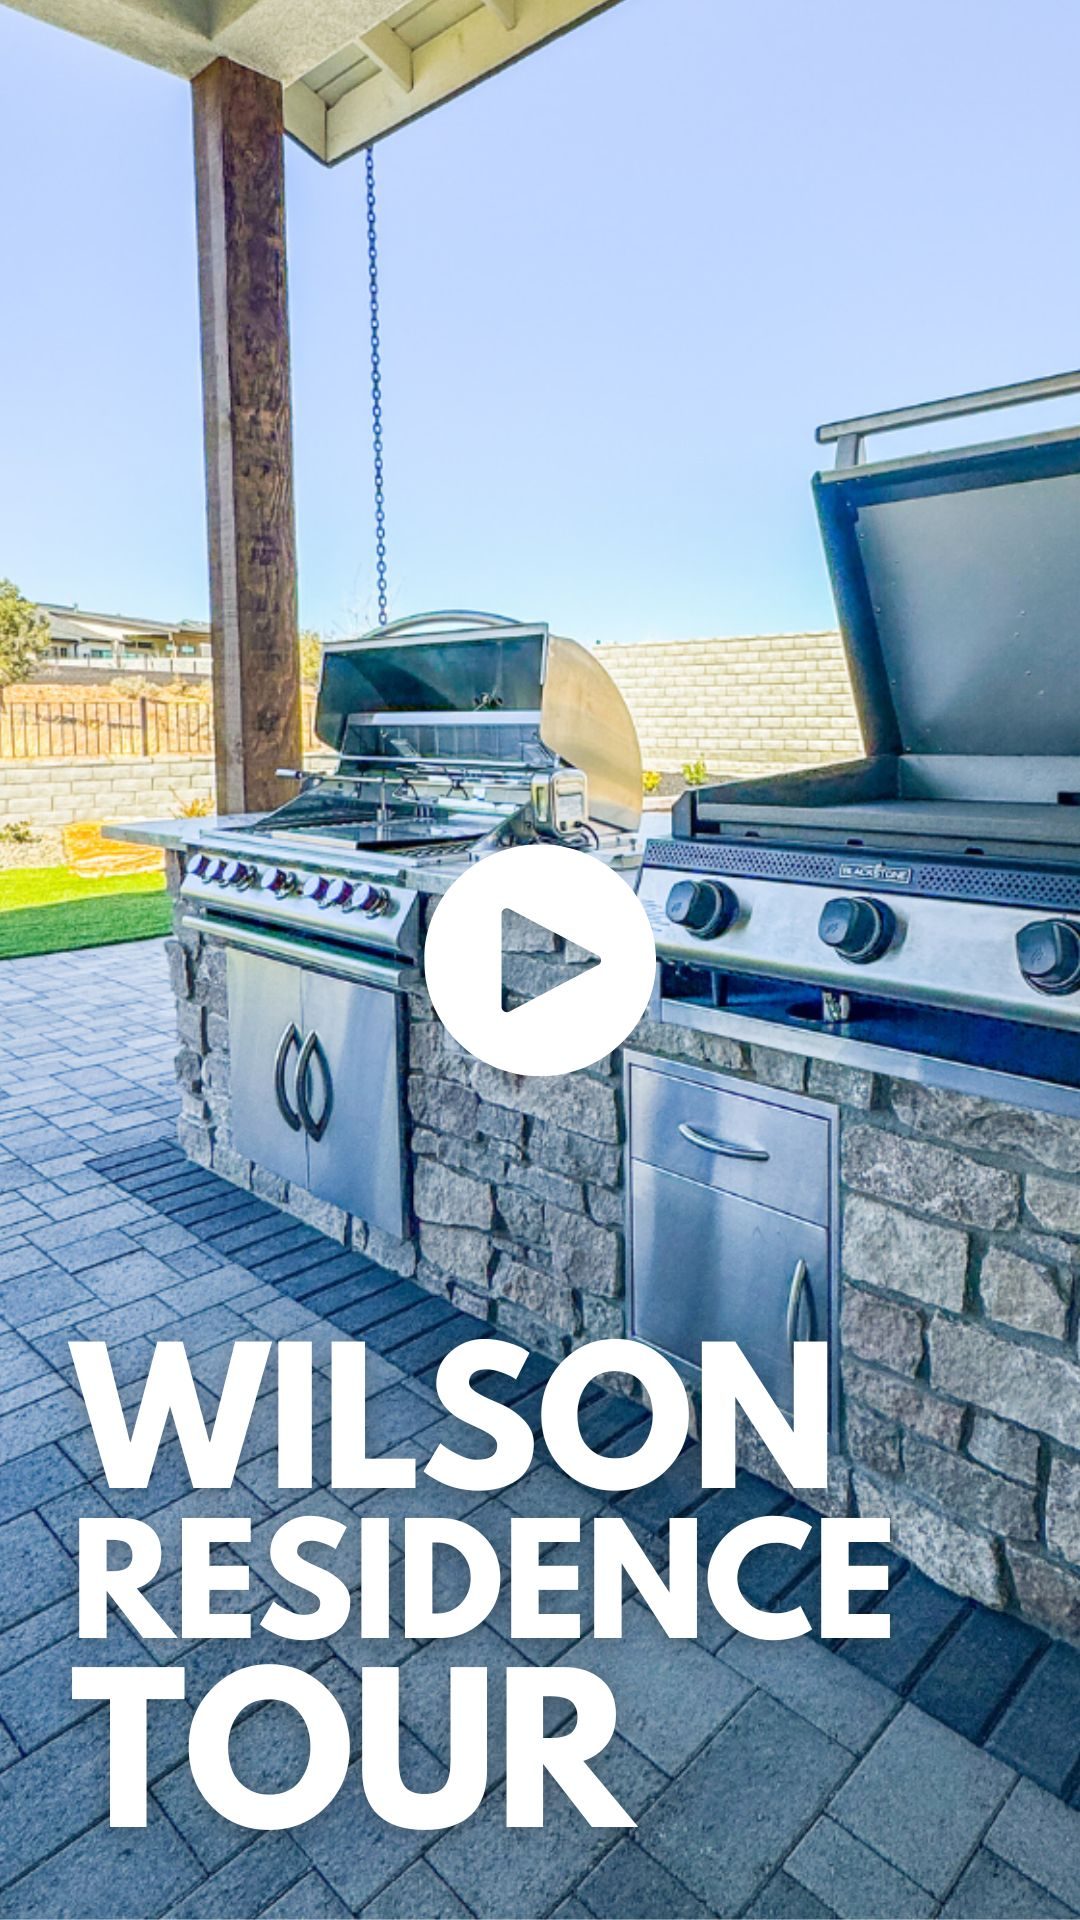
{"x": 265, "y": 1037}
{"x": 349, "y": 1086}
{"x": 709, "y": 1265}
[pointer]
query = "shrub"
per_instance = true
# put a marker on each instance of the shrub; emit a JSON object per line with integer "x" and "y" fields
{"x": 24, "y": 635}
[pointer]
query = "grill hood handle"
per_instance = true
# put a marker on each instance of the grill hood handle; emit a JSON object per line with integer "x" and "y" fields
{"x": 447, "y": 620}
{"x": 849, "y": 435}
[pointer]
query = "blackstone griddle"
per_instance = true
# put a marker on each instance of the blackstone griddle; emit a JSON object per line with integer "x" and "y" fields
{"x": 928, "y": 893}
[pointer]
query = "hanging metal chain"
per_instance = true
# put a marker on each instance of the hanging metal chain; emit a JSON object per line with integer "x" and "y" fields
{"x": 376, "y": 388}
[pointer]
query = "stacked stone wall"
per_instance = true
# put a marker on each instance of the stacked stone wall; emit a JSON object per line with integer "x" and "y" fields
{"x": 960, "y": 1241}
{"x": 961, "y": 1245}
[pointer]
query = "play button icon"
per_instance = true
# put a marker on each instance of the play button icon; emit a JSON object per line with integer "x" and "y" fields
{"x": 512, "y": 994}
{"x": 567, "y": 1025}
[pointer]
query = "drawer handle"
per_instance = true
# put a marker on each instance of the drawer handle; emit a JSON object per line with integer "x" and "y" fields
{"x": 798, "y": 1282}
{"x": 729, "y": 1148}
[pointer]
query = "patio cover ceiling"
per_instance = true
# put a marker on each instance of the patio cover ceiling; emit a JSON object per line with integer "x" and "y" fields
{"x": 351, "y": 69}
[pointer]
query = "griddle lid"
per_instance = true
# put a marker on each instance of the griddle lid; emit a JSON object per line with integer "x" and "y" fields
{"x": 957, "y": 583}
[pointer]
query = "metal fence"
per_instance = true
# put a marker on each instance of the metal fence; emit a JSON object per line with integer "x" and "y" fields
{"x": 143, "y": 728}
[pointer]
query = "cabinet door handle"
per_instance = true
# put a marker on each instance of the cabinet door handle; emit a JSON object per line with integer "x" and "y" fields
{"x": 312, "y": 1049}
{"x": 798, "y": 1282}
{"x": 289, "y": 1039}
{"x": 730, "y": 1149}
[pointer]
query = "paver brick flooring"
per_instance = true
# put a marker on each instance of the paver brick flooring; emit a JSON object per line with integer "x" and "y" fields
{"x": 929, "y": 1773}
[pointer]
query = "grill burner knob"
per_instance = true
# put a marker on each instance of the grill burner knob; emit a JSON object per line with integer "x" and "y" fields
{"x": 703, "y": 907}
{"x": 218, "y": 872}
{"x": 371, "y": 900}
{"x": 284, "y": 883}
{"x": 1049, "y": 955}
{"x": 316, "y": 888}
{"x": 199, "y": 866}
{"x": 239, "y": 874}
{"x": 343, "y": 897}
{"x": 862, "y": 930}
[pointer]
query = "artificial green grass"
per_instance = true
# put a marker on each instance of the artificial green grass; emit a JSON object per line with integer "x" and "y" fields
{"x": 50, "y": 909}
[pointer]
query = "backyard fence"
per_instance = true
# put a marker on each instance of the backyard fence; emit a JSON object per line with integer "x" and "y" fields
{"x": 143, "y": 727}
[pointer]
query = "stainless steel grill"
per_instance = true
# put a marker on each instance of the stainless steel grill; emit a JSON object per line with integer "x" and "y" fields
{"x": 925, "y": 897}
{"x": 467, "y": 731}
{"x": 455, "y": 734}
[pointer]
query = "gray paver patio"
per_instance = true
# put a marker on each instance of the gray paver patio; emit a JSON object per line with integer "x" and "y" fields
{"x": 923, "y": 1797}
{"x": 764, "y": 1779}
{"x": 831, "y": 1861}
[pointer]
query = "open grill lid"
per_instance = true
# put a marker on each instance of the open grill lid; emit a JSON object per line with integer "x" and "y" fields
{"x": 957, "y": 584}
{"x": 451, "y": 688}
{"x": 478, "y": 665}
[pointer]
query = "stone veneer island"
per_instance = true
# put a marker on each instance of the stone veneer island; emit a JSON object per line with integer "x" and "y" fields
{"x": 960, "y": 1250}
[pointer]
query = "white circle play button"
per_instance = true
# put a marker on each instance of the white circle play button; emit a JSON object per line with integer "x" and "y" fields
{"x": 572, "y": 1024}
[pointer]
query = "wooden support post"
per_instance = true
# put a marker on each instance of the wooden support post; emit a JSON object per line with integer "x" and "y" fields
{"x": 240, "y": 208}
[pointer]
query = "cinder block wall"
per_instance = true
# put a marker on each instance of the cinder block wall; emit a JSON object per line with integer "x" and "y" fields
{"x": 744, "y": 705}
{"x": 53, "y": 793}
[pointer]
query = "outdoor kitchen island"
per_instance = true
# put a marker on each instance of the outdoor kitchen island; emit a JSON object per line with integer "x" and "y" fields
{"x": 852, "y": 1113}
{"x": 960, "y": 1252}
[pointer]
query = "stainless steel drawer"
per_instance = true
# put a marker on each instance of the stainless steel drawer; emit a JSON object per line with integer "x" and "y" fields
{"x": 770, "y": 1148}
{"x": 709, "y": 1266}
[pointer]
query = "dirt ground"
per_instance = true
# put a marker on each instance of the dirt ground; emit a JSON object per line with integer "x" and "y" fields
{"x": 44, "y": 849}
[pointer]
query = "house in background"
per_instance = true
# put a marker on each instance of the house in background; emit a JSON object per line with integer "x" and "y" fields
{"x": 109, "y": 642}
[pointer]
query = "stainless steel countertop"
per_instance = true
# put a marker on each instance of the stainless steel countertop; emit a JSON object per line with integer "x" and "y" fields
{"x": 227, "y": 833}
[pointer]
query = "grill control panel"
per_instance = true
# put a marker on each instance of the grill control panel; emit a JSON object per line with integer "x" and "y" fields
{"x": 979, "y": 957}
{"x": 304, "y": 900}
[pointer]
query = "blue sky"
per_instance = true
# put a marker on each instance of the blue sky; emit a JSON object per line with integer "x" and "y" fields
{"x": 622, "y": 283}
